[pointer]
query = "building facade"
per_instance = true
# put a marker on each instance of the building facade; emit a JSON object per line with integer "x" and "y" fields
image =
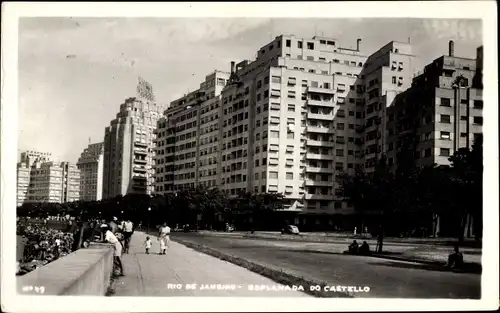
{"x": 440, "y": 113}
{"x": 387, "y": 73}
{"x": 90, "y": 165}
{"x": 188, "y": 137}
{"x": 293, "y": 120}
{"x": 53, "y": 182}
{"x": 129, "y": 144}
{"x": 27, "y": 160}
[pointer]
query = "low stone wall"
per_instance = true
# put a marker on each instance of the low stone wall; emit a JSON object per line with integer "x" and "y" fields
{"x": 85, "y": 272}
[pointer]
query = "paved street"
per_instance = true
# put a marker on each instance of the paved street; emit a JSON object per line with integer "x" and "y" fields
{"x": 167, "y": 275}
{"x": 386, "y": 278}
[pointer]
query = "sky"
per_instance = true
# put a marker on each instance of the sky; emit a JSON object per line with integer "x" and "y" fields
{"x": 75, "y": 72}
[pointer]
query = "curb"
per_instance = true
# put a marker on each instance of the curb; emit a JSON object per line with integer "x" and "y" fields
{"x": 278, "y": 276}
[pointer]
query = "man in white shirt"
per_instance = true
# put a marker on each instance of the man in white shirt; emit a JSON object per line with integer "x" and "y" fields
{"x": 128, "y": 230}
{"x": 111, "y": 238}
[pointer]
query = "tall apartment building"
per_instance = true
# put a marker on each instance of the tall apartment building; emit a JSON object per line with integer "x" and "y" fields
{"x": 188, "y": 136}
{"x": 90, "y": 165}
{"x": 295, "y": 109}
{"x": 129, "y": 145}
{"x": 438, "y": 114}
{"x": 28, "y": 159}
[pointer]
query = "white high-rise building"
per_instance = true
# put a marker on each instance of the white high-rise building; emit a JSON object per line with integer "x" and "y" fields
{"x": 129, "y": 145}
{"x": 292, "y": 121}
{"x": 90, "y": 165}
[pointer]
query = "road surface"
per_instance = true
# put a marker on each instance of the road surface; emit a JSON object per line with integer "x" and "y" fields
{"x": 386, "y": 278}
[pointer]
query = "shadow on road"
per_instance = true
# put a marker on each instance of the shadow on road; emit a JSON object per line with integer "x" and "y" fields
{"x": 468, "y": 267}
{"x": 393, "y": 264}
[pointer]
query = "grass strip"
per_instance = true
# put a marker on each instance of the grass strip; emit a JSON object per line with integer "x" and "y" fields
{"x": 278, "y": 276}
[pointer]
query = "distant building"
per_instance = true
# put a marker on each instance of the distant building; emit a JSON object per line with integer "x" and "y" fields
{"x": 438, "y": 114}
{"x": 129, "y": 145}
{"x": 90, "y": 165}
{"x": 42, "y": 180}
{"x": 28, "y": 159}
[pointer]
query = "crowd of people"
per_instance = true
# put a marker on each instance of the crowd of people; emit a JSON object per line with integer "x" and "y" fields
{"x": 42, "y": 245}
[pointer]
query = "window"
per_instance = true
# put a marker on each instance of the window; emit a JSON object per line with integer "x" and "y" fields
{"x": 310, "y": 45}
{"x": 394, "y": 80}
{"x": 427, "y": 152}
{"x": 291, "y": 108}
{"x": 288, "y": 43}
{"x": 276, "y": 79}
{"x": 299, "y": 44}
{"x": 273, "y": 175}
{"x": 445, "y": 135}
{"x": 339, "y": 152}
{"x": 340, "y": 126}
{"x": 289, "y": 175}
{"x": 275, "y": 134}
{"x": 478, "y": 120}
{"x": 445, "y": 118}
{"x": 444, "y": 152}
{"x": 290, "y": 135}
{"x": 446, "y": 102}
{"x": 310, "y": 58}
{"x": 463, "y": 135}
{"x": 478, "y": 104}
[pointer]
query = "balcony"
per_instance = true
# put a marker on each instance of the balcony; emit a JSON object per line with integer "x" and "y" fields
{"x": 140, "y": 169}
{"x": 325, "y": 170}
{"x": 140, "y": 144}
{"x": 140, "y": 151}
{"x": 140, "y": 161}
{"x": 317, "y": 143}
{"x": 320, "y": 130}
{"x": 321, "y": 90}
{"x": 360, "y": 128}
{"x": 317, "y": 156}
{"x": 319, "y": 183}
{"x": 139, "y": 177}
{"x": 319, "y": 116}
{"x": 327, "y": 104}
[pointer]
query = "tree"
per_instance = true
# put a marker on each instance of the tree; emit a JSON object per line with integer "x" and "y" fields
{"x": 467, "y": 177}
{"x": 373, "y": 192}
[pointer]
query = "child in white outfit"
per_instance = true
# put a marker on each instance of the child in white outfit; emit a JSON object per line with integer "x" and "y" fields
{"x": 147, "y": 244}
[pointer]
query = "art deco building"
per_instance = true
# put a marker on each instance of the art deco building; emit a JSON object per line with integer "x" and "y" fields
{"x": 90, "y": 165}
{"x": 129, "y": 145}
{"x": 440, "y": 113}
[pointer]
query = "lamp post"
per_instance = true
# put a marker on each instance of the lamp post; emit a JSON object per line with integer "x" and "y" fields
{"x": 149, "y": 214}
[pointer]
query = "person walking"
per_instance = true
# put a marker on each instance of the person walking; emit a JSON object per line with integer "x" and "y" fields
{"x": 164, "y": 238}
{"x": 128, "y": 230}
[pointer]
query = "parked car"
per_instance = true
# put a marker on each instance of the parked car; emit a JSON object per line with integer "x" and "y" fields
{"x": 290, "y": 229}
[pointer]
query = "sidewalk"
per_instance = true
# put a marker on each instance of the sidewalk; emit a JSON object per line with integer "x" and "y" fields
{"x": 168, "y": 275}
